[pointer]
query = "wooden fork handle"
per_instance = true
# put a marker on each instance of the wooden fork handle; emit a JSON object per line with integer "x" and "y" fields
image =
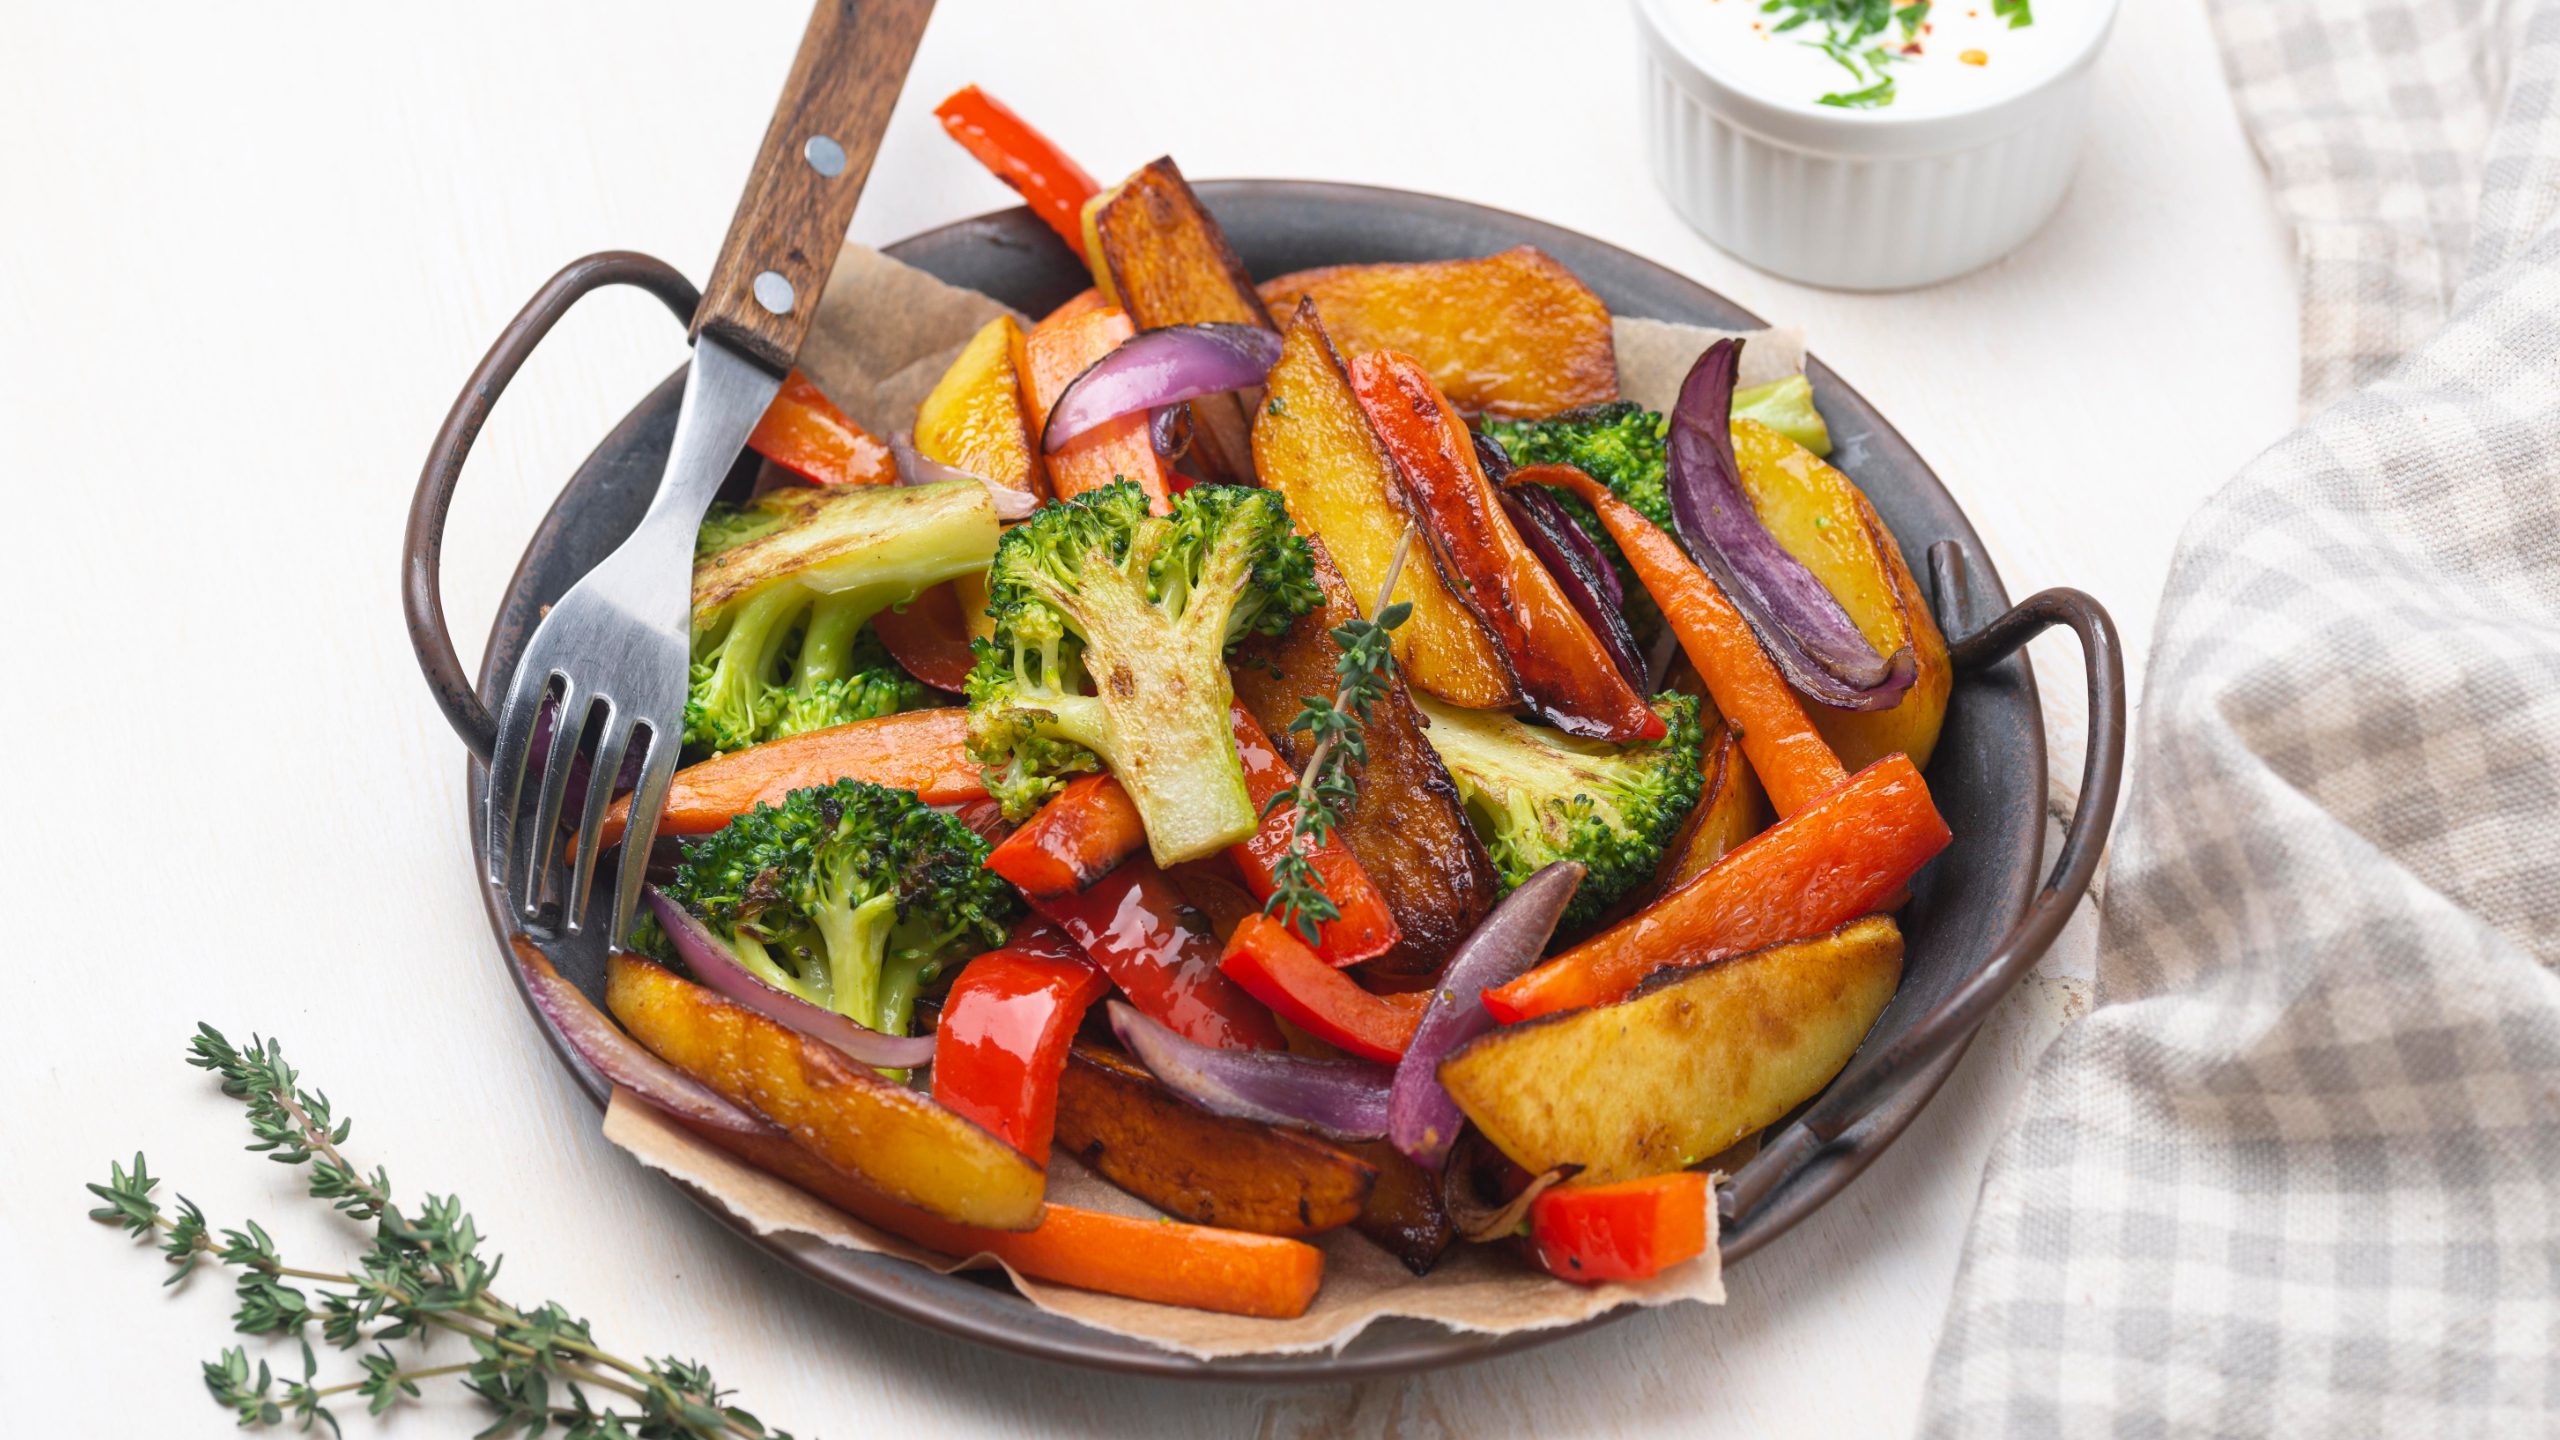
{"x": 799, "y": 200}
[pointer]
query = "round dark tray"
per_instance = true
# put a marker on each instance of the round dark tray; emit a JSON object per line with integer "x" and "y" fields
{"x": 1976, "y": 919}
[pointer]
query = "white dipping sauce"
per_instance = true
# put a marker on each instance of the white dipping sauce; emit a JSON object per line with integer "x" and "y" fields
{"x": 1965, "y": 56}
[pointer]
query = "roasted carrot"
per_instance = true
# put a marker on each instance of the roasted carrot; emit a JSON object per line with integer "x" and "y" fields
{"x": 1569, "y": 680}
{"x": 919, "y": 750}
{"x": 1046, "y": 177}
{"x": 1072, "y": 841}
{"x": 1787, "y": 753}
{"x": 1628, "y": 1231}
{"x": 1845, "y": 855}
{"x": 1162, "y": 1261}
{"x": 1365, "y": 929}
{"x": 1057, "y": 351}
{"x": 1276, "y": 968}
{"x": 803, "y": 432}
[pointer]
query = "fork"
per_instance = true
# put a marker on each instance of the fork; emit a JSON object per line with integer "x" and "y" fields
{"x": 611, "y": 657}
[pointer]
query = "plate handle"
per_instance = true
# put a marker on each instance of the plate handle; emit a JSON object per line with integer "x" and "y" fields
{"x": 422, "y": 545}
{"x": 1875, "y": 1076}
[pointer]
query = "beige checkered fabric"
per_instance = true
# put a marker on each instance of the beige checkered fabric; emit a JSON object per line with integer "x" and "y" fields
{"x": 2298, "y": 1172}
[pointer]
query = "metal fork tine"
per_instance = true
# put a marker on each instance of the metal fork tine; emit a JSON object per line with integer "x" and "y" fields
{"x": 647, "y": 800}
{"x": 568, "y": 722}
{"x": 612, "y": 743}
{"x": 506, "y": 775}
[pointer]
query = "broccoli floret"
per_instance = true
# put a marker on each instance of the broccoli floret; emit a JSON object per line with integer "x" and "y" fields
{"x": 1537, "y": 796}
{"x": 1112, "y": 627}
{"x": 1621, "y": 444}
{"x": 778, "y": 617}
{"x": 852, "y": 896}
{"x": 727, "y": 526}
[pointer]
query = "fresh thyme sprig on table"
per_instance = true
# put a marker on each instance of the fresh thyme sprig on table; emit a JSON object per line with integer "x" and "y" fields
{"x": 536, "y": 1368}
{"x": 1338, "y": 726}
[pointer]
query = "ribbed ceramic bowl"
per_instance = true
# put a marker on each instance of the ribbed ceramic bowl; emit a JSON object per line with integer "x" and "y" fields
{"x": 1988, "y": 775}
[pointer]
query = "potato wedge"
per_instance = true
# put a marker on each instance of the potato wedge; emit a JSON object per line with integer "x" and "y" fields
{"x": 974, "y": 417}
{"x": 1515, "y": 336}
{"x": 1159, "y": 255}
{"x": 852, "y": 1117}
{"x": 1403, "y": 1215}
{"x": 1208, "y": 1169}
{"x": 1314, "y": 443}
{"x": 1733, "y": 809}
{"x": 1407, "y": 827}
{"x": 1819, "y": 517}
{"x": 1681, "y": 1071}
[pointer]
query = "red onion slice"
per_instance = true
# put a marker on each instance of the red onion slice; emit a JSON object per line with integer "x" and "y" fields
{"x": 1160, "y": 367}
{"x": 713, "y": 965}
{"x": 1169, "y": 430}
{"x": 1544, "y": 525}
{"x": 621, "y": 1059}
{"x": 914, "y": 469}
{"x": 1338, "y": 1099}
{"x": 1799, "y": 622}
{"x": 1422, "y": 1119}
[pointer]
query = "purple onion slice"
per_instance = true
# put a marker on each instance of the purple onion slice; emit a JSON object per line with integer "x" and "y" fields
{"x": 914, "y": 469}
{"x": 1543, "y": 524}
{"x": 621, "y": 1059}
{"x": 1338, "y": 1099}
{"x": 1798, "y": 620}
{"x": 1160, "y": 367}
{"x": 1422, "y": 1119}
{"x": 713, "y": 965}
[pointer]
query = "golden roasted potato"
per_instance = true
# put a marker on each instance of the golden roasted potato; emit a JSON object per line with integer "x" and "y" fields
{"x": 1679, "y": 1072}
{"x": 974, "y": 417}
{"x": 1820, "y": 518}
{"x": 1407, "y": 826}
{"x": 1313, "y": 443}
{"x": 1209, "y": 1169}
{"x": 1515, "y": 336}
{"x": 848, "y": 1115}
{"x": 1732, "y": 809}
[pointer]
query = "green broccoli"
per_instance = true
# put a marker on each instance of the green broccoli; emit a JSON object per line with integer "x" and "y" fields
{"x": 779, "y": 612}
{"x": 727, "y": 526}
{"x": 1112, "y": 627}
{"x": 852, "y": 896}
{"x": 1621, "y": 444}
{"x": 1537, "y": 795}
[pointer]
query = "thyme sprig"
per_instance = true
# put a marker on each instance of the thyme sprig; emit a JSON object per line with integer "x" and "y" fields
{"x": 535, "y": 1368}
{"x": 1339, "y": 727}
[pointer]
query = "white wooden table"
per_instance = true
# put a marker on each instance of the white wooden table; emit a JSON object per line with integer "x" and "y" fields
{"x": 248, "y": 253}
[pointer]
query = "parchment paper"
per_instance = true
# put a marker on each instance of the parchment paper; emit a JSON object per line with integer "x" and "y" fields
{"x": 884, "y": 333}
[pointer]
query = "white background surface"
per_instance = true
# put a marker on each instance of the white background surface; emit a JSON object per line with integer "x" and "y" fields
{"x": 248, "y": 253}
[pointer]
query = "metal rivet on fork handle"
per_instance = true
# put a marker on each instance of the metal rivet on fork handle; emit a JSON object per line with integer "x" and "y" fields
{"x": 824, "y": 156}
{"x": 773, "y": 292}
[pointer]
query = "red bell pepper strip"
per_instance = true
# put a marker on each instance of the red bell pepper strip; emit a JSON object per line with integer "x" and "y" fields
{"x": 1845, "y": 855}
{"x": 803, "y": 432}
{"x": 1627, "y": 1231}
{"x": 1049, "y": 181}
{"x": 929, "y": 635}
{"x": 1082, "y": 834}
{"x": 1005, "y": 1029}
{"x": 1364, "y": 929}
{"x": 1277, "y": 969}
{"x": 1161, "y": 953}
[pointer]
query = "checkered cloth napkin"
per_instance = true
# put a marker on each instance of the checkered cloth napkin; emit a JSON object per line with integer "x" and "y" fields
{"x": 2298, "y": 1171}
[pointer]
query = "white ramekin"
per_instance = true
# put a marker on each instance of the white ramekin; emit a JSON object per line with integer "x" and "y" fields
{"x": 1857, "y": 199}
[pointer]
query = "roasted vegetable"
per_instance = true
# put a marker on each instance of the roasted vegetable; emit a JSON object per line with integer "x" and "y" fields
{"x": 1406, "y": 826}
{"x": 1403, "y": 1215}
{"x": 1679, "y": 1072}
{"x": 1112, "y": 630}
{"x": 1002, "y": 1039}
{"x": 925, "y": 751}
{"x": 1275, "y": 967}
{"x": 1847, "y": 854}
{"x": 1730, "y": 810}
{"x": 777, "y": 616}
{"x": 851, "y": 896}
{"x": 1513, "y": 334}
{"x": 1058, "y": 350}
{"x": 1633, "y": 1230}
{"x": 1563, "y": 670}
{"x": 851, "y": 1116}
{"x": 1047, "y": 178}
{"x": 1313, "y": 443}
{"x": 1785, "y": 406}
{"x": 1179, "y": 1158}
{"x": 1820, "y": 518}
{"x": 1161, "y": 952}
{"x": 1538, "y": 796}
{"x": 974, "y": 418}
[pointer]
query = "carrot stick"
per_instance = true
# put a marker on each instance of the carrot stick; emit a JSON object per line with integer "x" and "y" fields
{"x": 919, "y": 750}
{"x": 1057, "y": 351}
{"x": 1787, "y": 753}
{"x": 1163, "y": 1261}
{"x": 1845, "y": 855}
